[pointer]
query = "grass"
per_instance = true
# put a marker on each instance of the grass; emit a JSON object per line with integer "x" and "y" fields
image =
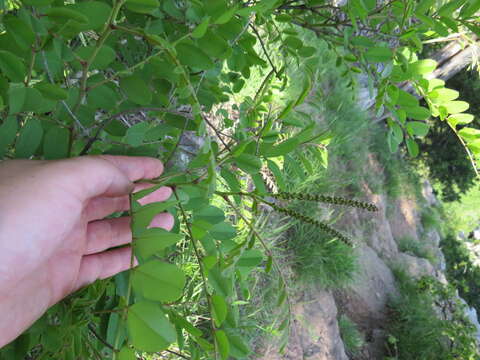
{"x": 415, "y": 329}
{"x": 417, "y": 248}
{"x": 401, "y": 175}
{"x": 351, "y": 336}
{"x": 321, "y": 259}
{"x": 431, "y": 219}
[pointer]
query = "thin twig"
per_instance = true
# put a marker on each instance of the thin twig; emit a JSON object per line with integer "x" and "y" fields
{"x": 177, "y": 353}
{"x": 91, "y": 327}
{"x": 200, "y": 263}
{"x": 262, "y": 44}
{"x": 63, "y": 102}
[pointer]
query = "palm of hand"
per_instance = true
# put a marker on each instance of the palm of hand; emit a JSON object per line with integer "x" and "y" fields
{"x": 52, "y": 238}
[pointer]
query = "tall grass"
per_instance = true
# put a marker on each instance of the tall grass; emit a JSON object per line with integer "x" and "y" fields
{"x": 351, "y": 336}
{"x": 416, "y": 329}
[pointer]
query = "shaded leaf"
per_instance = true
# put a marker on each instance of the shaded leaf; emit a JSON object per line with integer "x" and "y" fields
{"x": 223, "y": 344}
{"x": 151, "y": 241}
{"x": 219, "y": 311}
{"x": 29, "y": 139}
{"x": 12, "y": 66}
{"x": 149, "y": 328}
{"x": 56, "y": 143}
{"x": 159, "y": 281}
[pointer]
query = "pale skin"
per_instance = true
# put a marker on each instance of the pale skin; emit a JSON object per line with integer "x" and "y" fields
{"x": 54, "y": 238}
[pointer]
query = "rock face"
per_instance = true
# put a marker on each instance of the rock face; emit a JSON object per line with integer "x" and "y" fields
{"x": 316, "y": 335}
{"x": 365, "y": 301}
{"x": 403, "y": 218}
{"x": 414, "y": 266}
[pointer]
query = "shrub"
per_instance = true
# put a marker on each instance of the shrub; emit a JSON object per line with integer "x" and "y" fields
{"x": 427, "y": 322}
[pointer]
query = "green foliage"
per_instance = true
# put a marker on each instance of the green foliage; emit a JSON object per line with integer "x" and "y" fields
{"x": 431, "y": 219}
{"x": 416, "y": 248}
{"x": 351, "y": 336}
{"x": 447, "y": 162}
{"x": 322, "y": 259}
{"x": 461, "y": 270}
{"x": 427, "y": 321}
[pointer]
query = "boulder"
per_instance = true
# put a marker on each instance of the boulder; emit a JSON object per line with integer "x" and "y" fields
{"x": 316, "y": 335}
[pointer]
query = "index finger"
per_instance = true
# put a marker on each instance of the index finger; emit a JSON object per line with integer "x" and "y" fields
{"x": 105, "y": 175}
{"x": 136, "y": 167}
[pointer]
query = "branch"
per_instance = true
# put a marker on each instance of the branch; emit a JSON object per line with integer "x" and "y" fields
{"x": 107, "y": 30}
{"x": 265, "y": 50}
{"x": 91, "y": 327}
{"x": 200, "y": 263}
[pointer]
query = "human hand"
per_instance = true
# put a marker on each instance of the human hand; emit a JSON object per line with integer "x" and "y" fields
{"x": 53, "y": 240}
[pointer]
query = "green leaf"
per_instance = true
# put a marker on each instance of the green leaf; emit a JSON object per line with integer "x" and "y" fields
{"x": 307, "y": 51}
{"x": 102, "y": 97}
{"x": 219, "y": 309}
{"x": 422, "y": 67}
{"x": 12, "y": 66}
{"x": 29, "y": 139}
{"x": 249, "y": 260}
{"x": 136, "y": 133}
{"x": 450, "y": 7}
{"x": 223, "y": 231}
{"x": 454, "y": 107}
{"x": 223, "y": 344}
{"x": 96, "y": 12}
{"x": 56, "y": 143}
{"x": 412, "y": 147}
{"x": 221, "y": 284}
{"x": 51, "y": 91}
{"x": 283, "y": 148}
{"x": 142, "y": 6}
{"x": 442, "y": 95}
{"x": 210, "y": 214}
{"x": 293, "y": 42}
{"x": 185, "y": 324}
{"x": 21, "y": 31}
{"x": 417, "y": 112}
{"x": 63, "y": 14}
{"x": 469, "y": 133}
{"x": 201, "y": 29}
{"x": 225, "y": 17}
{"x": 136, "y": 90}
{"x": 8, "y": 132}
{"x": 460, "y": 119}
{"x": 159, "y": 281}
{"x": 278, "y": 174}
{"x": 103, "y": 58}
{"x": 152, "y": 241}
{"x": 307, "y": 87}
{"x": 193, "y": 56}
{"x": 214, "y": 45}
{"x": 248, "y": 163}
{"x": 238, "y": 348}
{"x": 127, "y": 354}
{"x": 406, "y": 99}
{"x": 149, "y": 328}
{"x": 417, "y": 128}
{"x": 379, "y": 54}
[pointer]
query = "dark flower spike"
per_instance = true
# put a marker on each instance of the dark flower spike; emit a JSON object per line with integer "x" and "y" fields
{"x": 335, "y": 200}
{"x": 324, "y": 227}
